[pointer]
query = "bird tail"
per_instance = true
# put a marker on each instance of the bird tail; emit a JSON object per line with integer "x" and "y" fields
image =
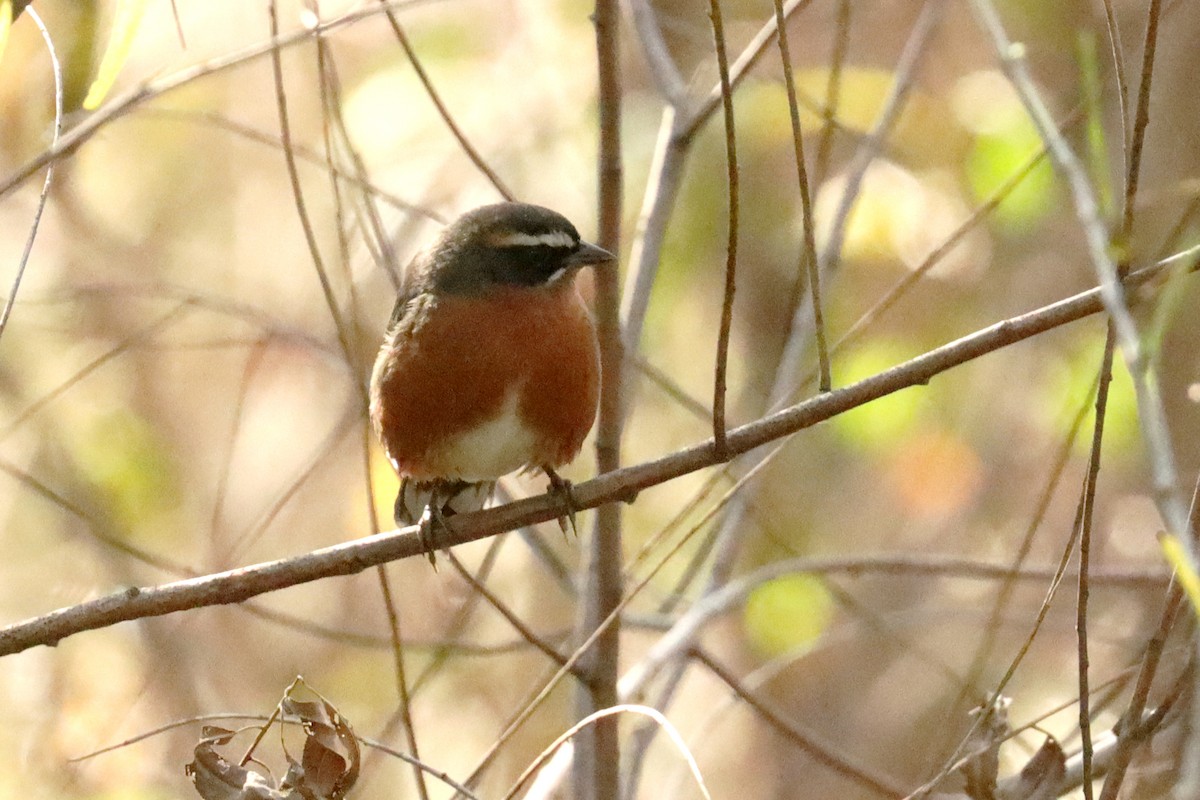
{"x": 452, "y": 497}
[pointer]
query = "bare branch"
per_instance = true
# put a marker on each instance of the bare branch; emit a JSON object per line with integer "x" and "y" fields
{"x": 348, "y": 558}
{"x": 809, "y": 253}
{"x": 597, "y": 749}
{"x": 718, "y": 415}
{"x": 49, "y": 179}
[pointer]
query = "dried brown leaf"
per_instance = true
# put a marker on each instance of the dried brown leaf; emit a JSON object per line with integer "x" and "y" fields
{"x": 218, "y": 779}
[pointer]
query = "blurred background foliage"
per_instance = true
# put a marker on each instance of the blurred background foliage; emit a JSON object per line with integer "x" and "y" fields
{"x": 176, "y": 401}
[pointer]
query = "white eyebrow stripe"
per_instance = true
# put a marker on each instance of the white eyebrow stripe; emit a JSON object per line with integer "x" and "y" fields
{"x": 552, "y": 239}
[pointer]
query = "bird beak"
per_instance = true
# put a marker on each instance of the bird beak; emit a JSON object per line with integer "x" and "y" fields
{"x": 588, "y": 255}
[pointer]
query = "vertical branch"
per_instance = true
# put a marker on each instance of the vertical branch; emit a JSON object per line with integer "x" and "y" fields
{"x": 1141, "y": 120}
{"x": 1085, "y": 542}
{"x": 809, "y": 258}
{"x": 330, "y": 92}
{"x": 1105, "y": 378}
{"x": 1118, "y": 56}
{"x": 833, "y": 91}
{"x": 310, "y": 235}
{"x": 1151, "y": 414}
{"x": 375, "y": 237}
{"x": 1127, "y": 739}
{"x": 719, "y": 444}
{"x": 597, "y": 763}
{"x": 662, "y": 188}
{"x": 397, "y": 642}
{"x": 41, "y": 204}
{"x": 729, "y": 538}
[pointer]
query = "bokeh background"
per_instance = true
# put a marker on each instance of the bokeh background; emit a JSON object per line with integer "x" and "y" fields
{"x": 174, "y": 398}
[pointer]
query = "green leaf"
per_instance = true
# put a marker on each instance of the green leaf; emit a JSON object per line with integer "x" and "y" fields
{"x": 996, "y": 156}
{"x": 127, "y": 461}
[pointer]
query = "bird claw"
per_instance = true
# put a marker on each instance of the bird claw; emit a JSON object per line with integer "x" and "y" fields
{"x": 565, "y": 491}
{"x": 426, "y": 532}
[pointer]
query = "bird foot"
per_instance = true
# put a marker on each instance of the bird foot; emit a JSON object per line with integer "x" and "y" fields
{"x": 565, "y": 491}
{"x": 432, "y": 523}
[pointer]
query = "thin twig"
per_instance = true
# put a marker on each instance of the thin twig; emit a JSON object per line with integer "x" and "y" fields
{"x": 935, "y": 256}
{"x": 809, "y": 253}
{"x": 465, "y": 612}
{"x": 740, "y": 68}
{"x": 375, "y": 237}
{"x": 526, "y": 633}
{"x": 658, "y": 201}
{"x": 718, "y": 417}
{"x": 49, "y": 179}
{"x": 404, "y": 697}
{"x": 833, "y": 91}
{"x": 1088, "y": 516}
{"x": 358, "y": 178}
{"x": 310, "y": 235}
{"x": 953, "y": 762}
{"x": 136, "y": 339}
{"x": 253, "y": 362}
{"x": 138, "y": 96}
{"x": 442, "y": 110}
{"x": 663, "y": 69}
{"x": 824, "y": 753}
{"x": 1141, "y": 120}
{"x": 991, "y": 629}
{"x": 1126, "y": 740}
{"x": 1118, "y": 56}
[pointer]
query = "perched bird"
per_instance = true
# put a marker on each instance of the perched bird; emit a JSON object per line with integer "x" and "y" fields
{"x": 490, "y": 363}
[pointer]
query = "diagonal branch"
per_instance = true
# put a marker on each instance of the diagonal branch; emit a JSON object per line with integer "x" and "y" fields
{"x": 348, "y": 558}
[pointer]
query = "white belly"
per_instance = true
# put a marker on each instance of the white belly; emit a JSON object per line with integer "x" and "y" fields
{"x": 499, "y": 446}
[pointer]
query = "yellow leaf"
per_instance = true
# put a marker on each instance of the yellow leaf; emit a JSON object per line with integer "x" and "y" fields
{"x": 1185, "y": 570}
{"x": 5, "y": 23}
{"x": 787, "y": 614}
{"x": 120, "y": 42}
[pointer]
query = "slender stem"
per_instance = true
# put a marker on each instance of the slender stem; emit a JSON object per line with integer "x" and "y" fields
{"x": 833, "y": 91}
{"x": 597, "y": 763}
{"x": 721, "y": 447}
{"x": 1141, "y": 120}
{"x": 11, "y": 300}
{"x": 822, "y": 752}
{"x": 444, "y": 112}
{"x": 1085, "y": 547}
{"x": 809, "y": 257}
{"x": 1118, "y": 57}
{"x": 310, "y": 235}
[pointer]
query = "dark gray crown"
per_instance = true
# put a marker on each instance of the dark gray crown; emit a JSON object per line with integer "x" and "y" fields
{"x": 508, "y": 244}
